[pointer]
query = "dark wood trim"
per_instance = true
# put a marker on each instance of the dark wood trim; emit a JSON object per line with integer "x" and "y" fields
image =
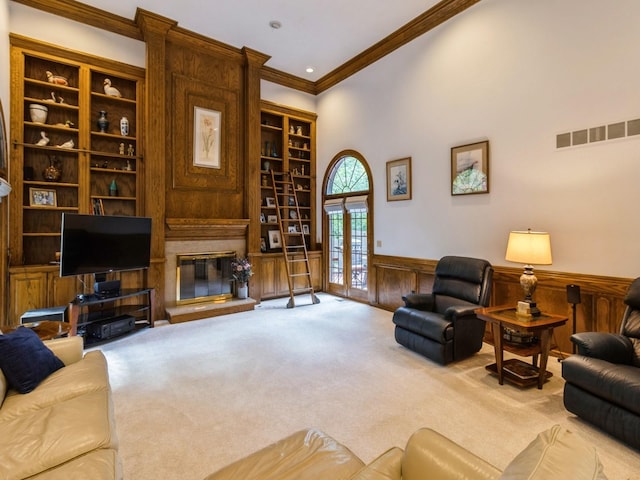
{"x": 88, "y": 15}
{"x": 105, "y": 20}
{"x": 288, "y": 80}
{"x": 197, "y": 229}
{"x": 420, "y": 25}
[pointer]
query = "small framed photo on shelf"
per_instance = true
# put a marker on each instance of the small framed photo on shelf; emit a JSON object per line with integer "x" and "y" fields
{"x": 274, "y": 239}
{"x": 305, "y": 229}
{"x": 270, "y": 202}
{"x": 292, "y": 229}
{"x": 272, "y": 219}
{"x": 42, "y": 197}
{"x": 263, "y": 244}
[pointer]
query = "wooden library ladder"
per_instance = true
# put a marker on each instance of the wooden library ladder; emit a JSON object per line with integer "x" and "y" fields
{"x": 294, "y": 248}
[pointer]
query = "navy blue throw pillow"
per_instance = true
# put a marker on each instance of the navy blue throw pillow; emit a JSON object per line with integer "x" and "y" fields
{"x": 25, "y": 360}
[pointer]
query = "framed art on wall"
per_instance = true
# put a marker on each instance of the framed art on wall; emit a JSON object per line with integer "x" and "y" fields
{"x": 399, "y": 179}
{"x": 470, "y": 168}
{"x": 206, "y": 138}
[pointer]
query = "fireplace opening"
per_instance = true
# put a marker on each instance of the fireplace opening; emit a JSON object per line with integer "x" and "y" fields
{"x": 204, "y": 277}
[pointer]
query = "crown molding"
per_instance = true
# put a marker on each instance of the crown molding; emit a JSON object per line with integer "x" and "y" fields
{"x": 436, "y": 15}
{"x": 88, "y": 15}
{"x": 423, "y": 23}
{"x": 287, "y": 80}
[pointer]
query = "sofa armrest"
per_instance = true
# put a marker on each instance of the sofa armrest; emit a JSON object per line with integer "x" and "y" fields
{"x": 419, "y": 301}
{"x": 387, "y": 466}
{"x": 67, "y": 349}
{"x": 428, "y": 451}
{"x": 611, "y": 347}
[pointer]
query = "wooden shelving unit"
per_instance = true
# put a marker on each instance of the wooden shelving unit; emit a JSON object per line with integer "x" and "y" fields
{"x": 88, "y": 161}
{"x": 287, "y": 144}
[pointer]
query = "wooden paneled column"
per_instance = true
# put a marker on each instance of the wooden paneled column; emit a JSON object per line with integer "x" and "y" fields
{"x": 154, "y": 29}
{"x": 254, "y": 62}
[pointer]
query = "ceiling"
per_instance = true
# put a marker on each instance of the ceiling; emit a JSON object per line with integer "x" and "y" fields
{"x": 320, "y": 34}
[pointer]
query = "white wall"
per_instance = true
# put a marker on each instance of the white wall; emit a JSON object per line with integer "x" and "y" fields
{"x": 39, "y": 25}
{"x": 286, "y": 96}
{"x": 515, "y": 73}
{"x": 512, "y": 71}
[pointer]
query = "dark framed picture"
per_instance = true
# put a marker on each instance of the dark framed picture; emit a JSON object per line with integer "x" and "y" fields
{"x": 275, "y": 240}
{"x": 42, "y": 197}
{"x": 305, "y": 229}
{"x": 399, "y": 179}
{"x": 470, "y": 168}
{"x": 270, "y": 202}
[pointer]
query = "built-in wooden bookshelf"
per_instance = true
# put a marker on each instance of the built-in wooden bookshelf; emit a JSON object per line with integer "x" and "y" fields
{"x": 287, "y": 144}
{"x": 64, "y": 161}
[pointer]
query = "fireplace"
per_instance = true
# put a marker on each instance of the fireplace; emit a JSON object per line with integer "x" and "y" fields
{"x": 204, "y": 277}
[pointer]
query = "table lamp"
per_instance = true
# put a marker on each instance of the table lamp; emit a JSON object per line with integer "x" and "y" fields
{"x": 530, "y": 248}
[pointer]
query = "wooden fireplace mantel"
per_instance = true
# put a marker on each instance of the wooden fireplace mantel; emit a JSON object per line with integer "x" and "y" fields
{"x": 210, "y": 228}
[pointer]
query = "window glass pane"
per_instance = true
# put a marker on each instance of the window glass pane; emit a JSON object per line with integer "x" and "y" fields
{"x": 348, "y": 175}
{"x": 336, "y": 254}
{"x": 359, "y": 254}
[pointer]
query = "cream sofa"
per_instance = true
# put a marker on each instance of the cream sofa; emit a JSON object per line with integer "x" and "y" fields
{"x": 313, "y": 455}
{"x": 64, "y": 429}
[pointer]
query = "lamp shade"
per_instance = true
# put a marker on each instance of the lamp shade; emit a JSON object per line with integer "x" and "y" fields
{"x": 530, "y": 248}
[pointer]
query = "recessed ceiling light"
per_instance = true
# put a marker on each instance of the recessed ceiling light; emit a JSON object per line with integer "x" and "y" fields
{"x": 275, "y": 24}
{"x": 309, "y": 69}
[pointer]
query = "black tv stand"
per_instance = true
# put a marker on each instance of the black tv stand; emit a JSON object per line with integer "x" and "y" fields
{"x": 86, "y": 310}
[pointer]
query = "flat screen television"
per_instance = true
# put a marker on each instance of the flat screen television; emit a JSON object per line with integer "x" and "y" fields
{"x": 99, "y": 244}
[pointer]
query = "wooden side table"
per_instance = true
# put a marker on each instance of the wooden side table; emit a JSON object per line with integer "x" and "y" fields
{"x": 46, "y": 329}
{"x": 504, "y": 316}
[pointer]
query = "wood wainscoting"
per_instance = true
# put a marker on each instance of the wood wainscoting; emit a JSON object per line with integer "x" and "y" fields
{"x": 600, "y": 310}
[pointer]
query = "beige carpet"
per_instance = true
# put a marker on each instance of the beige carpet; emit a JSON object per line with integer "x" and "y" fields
{"x": 194, "y": 396}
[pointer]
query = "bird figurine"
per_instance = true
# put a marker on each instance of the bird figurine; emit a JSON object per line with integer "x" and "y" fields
{"x": 44, "y": 140}
{"x": 53, "y": 98}
{"x": 69, "y": 144}
{"x": 56, "y": 79}
{"x": 109, "y": 90}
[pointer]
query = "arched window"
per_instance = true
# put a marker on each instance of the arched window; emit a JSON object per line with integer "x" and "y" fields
{"x": 348, "y": 227}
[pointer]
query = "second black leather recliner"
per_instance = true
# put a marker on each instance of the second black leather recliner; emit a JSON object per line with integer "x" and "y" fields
{"x": 442, "y": 325}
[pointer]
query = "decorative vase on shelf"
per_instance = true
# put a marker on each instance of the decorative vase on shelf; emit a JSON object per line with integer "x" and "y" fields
{"x": 38, "y": 113}
{"x": 243, "y": 290}
{"x": 52, "y": 173}
{"x": 113, "y": 189}
{"x": 103, "y": 122}
{"x": 124, "y": 126}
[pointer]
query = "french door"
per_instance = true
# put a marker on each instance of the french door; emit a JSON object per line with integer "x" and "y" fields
{"x": 348, "y": 226}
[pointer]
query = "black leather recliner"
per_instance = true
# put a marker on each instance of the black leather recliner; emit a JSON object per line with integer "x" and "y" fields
{"x": 603, "y": 379}
{"x": 442, "y": 325}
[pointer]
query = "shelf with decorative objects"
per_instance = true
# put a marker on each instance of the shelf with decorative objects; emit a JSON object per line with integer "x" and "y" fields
{"x": 287, "y": 144}
{"x": 61, "y": 159}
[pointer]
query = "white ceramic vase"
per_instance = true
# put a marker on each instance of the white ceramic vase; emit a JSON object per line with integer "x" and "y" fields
{"x": 38, "y": 113}
{"x": 242, "y": 290}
